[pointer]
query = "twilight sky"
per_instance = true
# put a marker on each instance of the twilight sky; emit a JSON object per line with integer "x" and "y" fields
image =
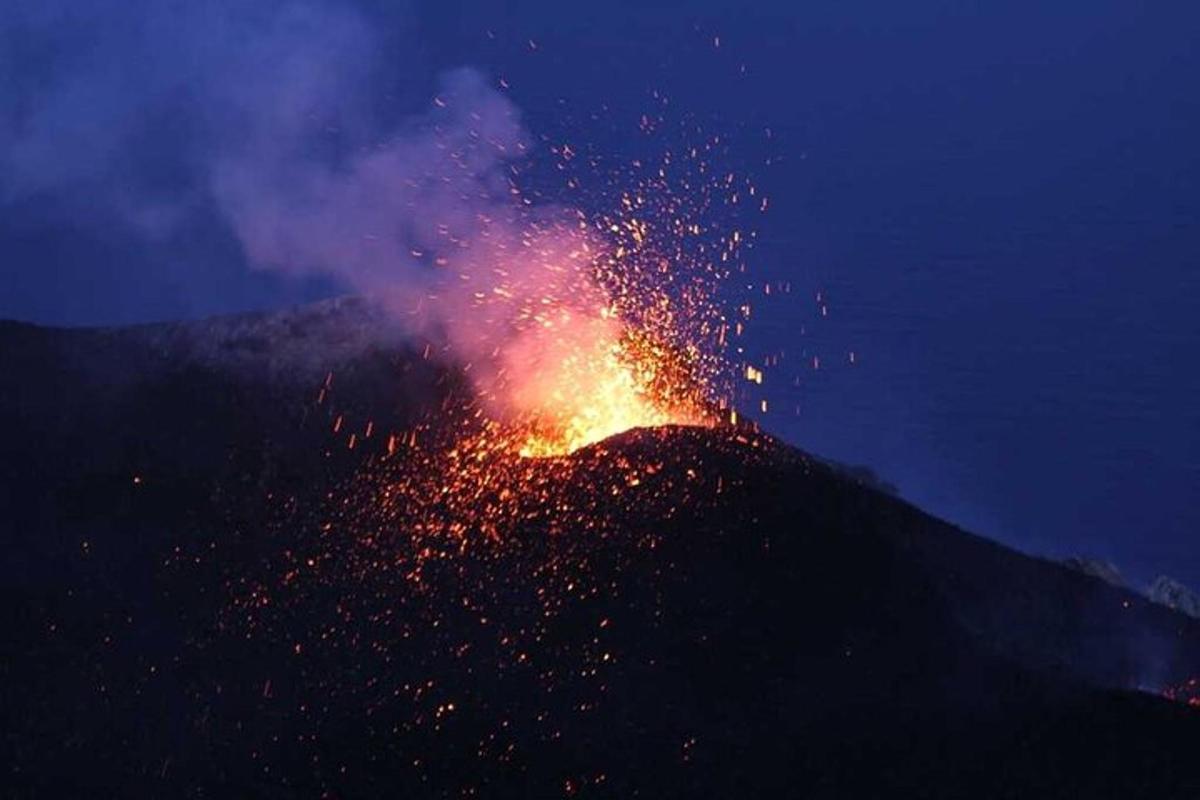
{"x": 999, "y": 203}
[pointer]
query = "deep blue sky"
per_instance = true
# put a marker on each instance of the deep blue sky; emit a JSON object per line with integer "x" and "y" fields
{"x": 1000, "y": 200}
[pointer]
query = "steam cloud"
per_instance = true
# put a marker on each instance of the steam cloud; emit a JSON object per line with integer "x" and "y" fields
{"x": 281, "y": 121}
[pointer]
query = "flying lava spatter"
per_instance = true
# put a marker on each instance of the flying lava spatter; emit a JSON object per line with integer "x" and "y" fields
{"x": 611, "y": 321}
{"x": 617, "y": 319}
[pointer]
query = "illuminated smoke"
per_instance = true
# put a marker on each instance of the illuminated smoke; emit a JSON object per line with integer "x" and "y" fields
{"x": 548, "y": 313}
{"x": 571, "y": 324}
{"x": 431, "y": 223}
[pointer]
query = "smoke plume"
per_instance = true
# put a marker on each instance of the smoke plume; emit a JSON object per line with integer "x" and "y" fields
{"x": 293, "y": 125}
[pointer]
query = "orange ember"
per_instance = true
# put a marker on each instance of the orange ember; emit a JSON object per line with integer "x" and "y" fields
{"x": 1186, "y": 693}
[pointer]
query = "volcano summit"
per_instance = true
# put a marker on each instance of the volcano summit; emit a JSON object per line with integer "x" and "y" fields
{"x": 241, "y": 564}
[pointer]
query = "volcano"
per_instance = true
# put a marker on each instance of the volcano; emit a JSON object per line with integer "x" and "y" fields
{"x": 236, "y": 565}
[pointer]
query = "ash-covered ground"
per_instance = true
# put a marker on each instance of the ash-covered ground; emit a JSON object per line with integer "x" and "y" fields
{"x": 244, "y": 558}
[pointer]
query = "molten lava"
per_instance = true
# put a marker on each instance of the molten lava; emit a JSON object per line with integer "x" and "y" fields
{"x": 603, "y": 387}
{"x": 581, "y": 344}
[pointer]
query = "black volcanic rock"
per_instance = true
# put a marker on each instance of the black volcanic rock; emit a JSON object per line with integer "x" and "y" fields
{"x": 211, "y": 593}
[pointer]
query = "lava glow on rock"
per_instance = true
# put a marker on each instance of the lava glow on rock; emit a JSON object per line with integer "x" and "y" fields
{"x": 461, "y": 542}
{"x": 604, "y": 387}
{"x": 574, "y": 326}
{"x": 617, "y": 401}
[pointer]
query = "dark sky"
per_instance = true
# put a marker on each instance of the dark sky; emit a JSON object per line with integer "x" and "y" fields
{"x": 999, "y": 202}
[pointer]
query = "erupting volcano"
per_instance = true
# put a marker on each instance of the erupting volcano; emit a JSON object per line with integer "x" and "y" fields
{"x": 590, "y": 349}
{"x": 582, "y": 294}
{"x": 343, "y": 577}
{"x": 497, "y": 531}
{"x": 487, "y": 499}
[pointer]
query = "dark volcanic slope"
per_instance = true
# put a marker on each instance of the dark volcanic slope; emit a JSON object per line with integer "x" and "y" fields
{"x": 208, "y": 594}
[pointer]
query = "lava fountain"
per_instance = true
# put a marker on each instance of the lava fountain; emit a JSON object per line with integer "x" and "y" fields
{"x": 575, "y": 314}
{"x": 582, "y": 338}
{"x": 591, "y": 377}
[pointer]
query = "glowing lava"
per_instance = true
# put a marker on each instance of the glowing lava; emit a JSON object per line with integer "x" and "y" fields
{"x": 601, "y": 387}
{"x": 583, "y": 339}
